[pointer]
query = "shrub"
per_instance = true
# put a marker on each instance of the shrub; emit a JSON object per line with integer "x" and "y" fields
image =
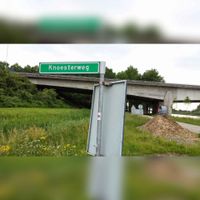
{"x": 20, "y": 92}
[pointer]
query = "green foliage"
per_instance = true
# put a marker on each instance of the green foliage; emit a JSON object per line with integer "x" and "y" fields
{"x": 30, "y": 69}
{"x": 133, "y": 32}
{"x": 152, "y": 75}
{"x": 14, "y": 32}
{"x": 187, "y": 100}
{"x": 43, "y": 132}
{"x": 16, "y": 91}
{"x": 137, "y": 142}
{"x": 77, "y": 100}
{"x": 109, "y": 73}
{"x": 35, "y": 141}
{"x": 151, "y": 33}
{"x": 188, "y": 120}
{"x": 16, "y": 68}
{"x": 195, "y": 112}
{"x": 131, "y": 73}
{"x": 60, "y": 132}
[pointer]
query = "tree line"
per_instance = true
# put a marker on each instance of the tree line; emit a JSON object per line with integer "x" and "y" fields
{"x": 16, "y": 91}
{"x": 131, "y": 73}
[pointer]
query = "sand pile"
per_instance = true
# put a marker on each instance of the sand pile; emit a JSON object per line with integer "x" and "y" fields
{"x": 163, "y": 126}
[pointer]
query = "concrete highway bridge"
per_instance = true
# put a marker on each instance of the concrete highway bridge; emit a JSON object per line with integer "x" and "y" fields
{"x": 150, "y": 94}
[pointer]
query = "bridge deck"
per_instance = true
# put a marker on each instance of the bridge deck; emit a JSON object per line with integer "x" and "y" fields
{"x": 96, "y": 80}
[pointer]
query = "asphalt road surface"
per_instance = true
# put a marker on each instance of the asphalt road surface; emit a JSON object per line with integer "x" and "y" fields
{"x": 191, "y": 127}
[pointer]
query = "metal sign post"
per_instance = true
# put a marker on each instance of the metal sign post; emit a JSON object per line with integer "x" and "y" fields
{"x": 111, "y": 123}
{"x": 106, "y": 171}
{"x": 100, "y": 109}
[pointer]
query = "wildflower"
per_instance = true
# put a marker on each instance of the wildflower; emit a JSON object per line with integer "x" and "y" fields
{"x": 43, "y": 138}
{"x": 82, "y": 152}
{"x": 67, "y": 145}
{"x": 45, "y": 148}
{"x": 5, "y": 148}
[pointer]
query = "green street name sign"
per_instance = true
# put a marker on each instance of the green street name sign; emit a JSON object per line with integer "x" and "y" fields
{"x": 70, "y": 68}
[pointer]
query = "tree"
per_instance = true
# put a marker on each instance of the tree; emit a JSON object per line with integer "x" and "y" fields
{"x": 131, "y": 73}
{"x": 27, "y": 68}
{"x": 152, "y": 75}
{"x": 35, "y": 69}
{"x": 187, "y": 102}
{"x": 131, "y": 32}
{"x": 30, "y": 69}
{"x": 198, "y": 107}
{"x": 109, "y": 73}
{"x": 16, "y": 68}
{"x": 3, "y": 67}
{"x": 122, "y": 75}
{"x": 151, "y": 33}
{"x": 16, "y": 91}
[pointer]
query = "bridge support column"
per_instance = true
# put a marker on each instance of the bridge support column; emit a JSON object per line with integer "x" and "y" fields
{"x": 168, "y": 102}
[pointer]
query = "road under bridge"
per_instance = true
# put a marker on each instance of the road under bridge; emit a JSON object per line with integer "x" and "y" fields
{"x": 150, "y": 94}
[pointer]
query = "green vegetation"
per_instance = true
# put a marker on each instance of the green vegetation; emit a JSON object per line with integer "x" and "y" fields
{"x": 16, "y": 91}
{"x": 131, "y": 73}
{"x": 195, "y": 112}
{"x": 188, "y": 120}
{"x": 43, "y": 178}
{"x": 152, "y": 75}
{"x": 47, "y": 132}
{"x": 163, "y": 178}
{"x": 63, "y": 132}
{"x": 50, "y": 178}
{"x": 142, "y": 143}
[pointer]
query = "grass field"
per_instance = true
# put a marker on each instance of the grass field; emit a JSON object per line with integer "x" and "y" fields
{"x": 63, "y": 132}
{"x": 188, "y": 120}
{"x": 68, "y": 178}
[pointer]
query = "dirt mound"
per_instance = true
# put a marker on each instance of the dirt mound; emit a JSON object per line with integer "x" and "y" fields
{"x": 166, "y": 127}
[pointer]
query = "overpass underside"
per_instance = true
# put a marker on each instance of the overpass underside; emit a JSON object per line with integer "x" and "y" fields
{"x": 71, "y": 95}
{"x": 150, "y": 106}
{"x": 149, "y": 103}
{"x": 149, "y": 94}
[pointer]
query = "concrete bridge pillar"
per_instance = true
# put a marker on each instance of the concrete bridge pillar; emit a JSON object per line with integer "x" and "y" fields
{"x": 168, "y": 102}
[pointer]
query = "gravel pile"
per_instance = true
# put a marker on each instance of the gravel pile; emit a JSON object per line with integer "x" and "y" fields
{"x": 166, "y": 127}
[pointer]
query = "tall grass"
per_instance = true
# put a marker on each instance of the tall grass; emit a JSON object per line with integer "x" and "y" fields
{"x": 137, "y": 142}
{"x": 63, "y": 132}
{"x": 57, "y": 131}
{"x": 188, "y": 120}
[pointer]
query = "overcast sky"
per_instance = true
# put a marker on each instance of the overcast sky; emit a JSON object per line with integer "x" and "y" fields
{"x": 177, "y": 63}
{"x": 175, "y": 17}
